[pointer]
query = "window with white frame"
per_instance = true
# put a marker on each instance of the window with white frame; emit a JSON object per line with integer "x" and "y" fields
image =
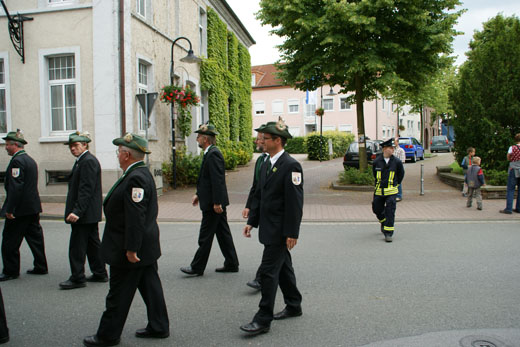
{"x": 142, "y": 88}
{"x": 419, "y": 126}
{"x": 401, "y": 121}
{"x": 141, "y": 7}
{"x": 203, "y": 22}
{"x": 346, "y": 128}
{"x": 62, "y": 92}
{"x": 384, "y": 133}
{"x": 58, "y": 2}
{"x": 277, "y": 106}
{"x": 329, "y": 128}
{"x": 383, "y": 101}
{"x": 253, "y": 80}
{"x": 293, "y": 105}
{"x": 259, "y": 108}
{"x": 344, "y": 104}
{"x": 309, "y": 110}
{"x": 411, "y": 124}
{"x": 3, "y": 97}
{"x": 328, "y": 104}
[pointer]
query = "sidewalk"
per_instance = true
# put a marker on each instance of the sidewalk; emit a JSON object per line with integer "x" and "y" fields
{"x": 440, "y": 202}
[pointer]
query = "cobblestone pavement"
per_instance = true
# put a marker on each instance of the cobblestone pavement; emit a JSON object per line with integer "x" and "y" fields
{"x": 440, "y": 202}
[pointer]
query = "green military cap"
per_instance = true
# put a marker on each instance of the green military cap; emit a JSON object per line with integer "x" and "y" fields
{"x": 207, "y": 129}
{"x": 78, "y": 137}
{"x": 259, "y": 129}
{"x": 15, "y": 136}
{"x": 276, "y": 128}
{"x": 133, "y": 141}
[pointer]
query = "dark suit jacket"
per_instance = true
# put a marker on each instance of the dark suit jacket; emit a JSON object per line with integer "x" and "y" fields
{"x": 211, "y": 184}
{"x": 277, "y": 207}
{"x": 131, "y": 220}
{"x": 84, "y": 197}
{"x": 258, "y": 165}
{"x": 21, "y": 186}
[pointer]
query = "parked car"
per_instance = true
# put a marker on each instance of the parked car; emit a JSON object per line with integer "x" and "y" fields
{"x": 440, "y": 143}
{"x": 351, "y": 158}
{"x": 412, "y": 148}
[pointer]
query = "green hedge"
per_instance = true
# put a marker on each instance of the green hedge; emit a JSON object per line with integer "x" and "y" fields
{"x": 496, "y": 177}
{"x": 317, "y": 147}
{"x": 188, "y": 167}
{"x": 354, "y": 176}
{"x": 296, "y": 145}
{"x": 340, "y": 143}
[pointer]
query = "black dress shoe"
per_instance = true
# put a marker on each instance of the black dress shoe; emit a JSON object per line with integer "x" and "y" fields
{"x": 4, "y": 277}
{"x": 97, "y": 278}
{"x": 68, "y": 284}
{"x": 226, "y": 269}
{"x": 37, "y": 272}
{"x": 254, "y": 284}
{"x": 4, "y": 339}
{"x": 95, "y": 341}
{"x": 189, "y": 271}
{"x": 145, "y": 333}
{"x": 254, "y": 328}
{"x": 516, "y": 210}
{"x": 287, "y": 314}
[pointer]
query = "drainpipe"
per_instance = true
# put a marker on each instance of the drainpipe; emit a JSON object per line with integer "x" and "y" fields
{"x": 122, "y": 66}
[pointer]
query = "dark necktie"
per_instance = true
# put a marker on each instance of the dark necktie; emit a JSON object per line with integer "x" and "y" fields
{"x": 268, "y": 166}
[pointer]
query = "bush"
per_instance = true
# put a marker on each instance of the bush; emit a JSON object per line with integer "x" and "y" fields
{"x": 317, "y": 148}
{"x": 187, "y": 168}
{"x": 296, "y": 145}
{"x": 230, "y": 158}
{"x": 456, "y": 169}
{"x": 340, "y": 142}
{"x": 354, "y": 176}
{"x": 496, "y": 177}
{"x": 236, "y": 153}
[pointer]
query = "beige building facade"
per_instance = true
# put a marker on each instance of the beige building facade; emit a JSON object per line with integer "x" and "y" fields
{"x": 85, "y": 62}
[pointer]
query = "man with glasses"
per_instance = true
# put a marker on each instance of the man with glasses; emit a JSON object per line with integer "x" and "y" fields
{"x": 277, "y": 209}
{"x": 131, "y": 247}
{"x": 212, "y": 198}
{"x": 22, "y": 208}
{"x": 83, "y": 212}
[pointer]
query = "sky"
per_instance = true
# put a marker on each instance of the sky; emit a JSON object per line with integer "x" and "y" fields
{"x": 478, "y": 11}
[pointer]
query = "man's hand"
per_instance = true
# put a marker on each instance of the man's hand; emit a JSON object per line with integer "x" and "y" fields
{"x": 132, "y": 257}
{"x": 291, "y": 243}
{"x": 245, "y": 213}
{"x": 247, "y": 231}
{"x": 9, "y": 216}
{"x": 71, "y": 218}
{"x": 195, "y": 200}
{"x": 217, "y": 208}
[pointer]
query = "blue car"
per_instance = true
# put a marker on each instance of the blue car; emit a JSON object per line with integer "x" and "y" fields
{"x": 412, "y": 148}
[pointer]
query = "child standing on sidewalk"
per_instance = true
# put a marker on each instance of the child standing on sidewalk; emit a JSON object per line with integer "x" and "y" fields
{"x": 474, "y": 180}
{"x": 466, "y": 163}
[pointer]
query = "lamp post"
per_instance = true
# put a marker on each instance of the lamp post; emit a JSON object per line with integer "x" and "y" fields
{"x": 190, "y": 59}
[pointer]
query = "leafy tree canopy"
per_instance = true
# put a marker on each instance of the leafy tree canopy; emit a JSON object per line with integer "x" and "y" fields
{"x": 486, "y": 98}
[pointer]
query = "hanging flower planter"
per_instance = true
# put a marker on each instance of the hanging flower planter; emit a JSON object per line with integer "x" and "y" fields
{"x": 320, "y": 111}
{"x": 184, "y": 99}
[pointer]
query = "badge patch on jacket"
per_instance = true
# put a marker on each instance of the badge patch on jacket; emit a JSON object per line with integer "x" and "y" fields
{"x": 296, "y": 178}
{"x": 137, "y": 194}
{"x": 15, "y": 172}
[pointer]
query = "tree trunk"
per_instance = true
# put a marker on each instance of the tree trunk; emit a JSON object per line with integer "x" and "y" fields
{"x": 363, "y": 165}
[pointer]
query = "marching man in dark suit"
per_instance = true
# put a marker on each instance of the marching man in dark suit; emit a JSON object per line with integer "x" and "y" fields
{"x": 256, "y": 282}
{"x": 22, "y": 208}
{"x": 277, "y": 210}
{"x": 212, "y": 198}
{"x": 83, "y": 212}
{"x": 131, "y": 247}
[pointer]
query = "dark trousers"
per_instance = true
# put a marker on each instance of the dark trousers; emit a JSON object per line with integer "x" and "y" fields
{"x": 276, "y": 269}
{"x": 15, "y": 230}
{"x": 384, "y": 208}
{"x": 84, "y": 242}
{"x": 123, "y": 284}
{"x": 4, "y": 331}
{"x": 214, "y": 223}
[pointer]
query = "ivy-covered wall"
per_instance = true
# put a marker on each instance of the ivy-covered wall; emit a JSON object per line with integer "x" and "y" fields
{"x": 226, "y": 75}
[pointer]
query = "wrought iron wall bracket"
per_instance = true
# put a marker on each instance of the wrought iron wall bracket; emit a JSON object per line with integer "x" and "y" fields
{"x": 15, "y": 26}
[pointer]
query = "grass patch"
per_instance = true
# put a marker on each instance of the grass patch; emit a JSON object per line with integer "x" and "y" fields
{"x": 354, "y": 176}
{"x": 456, "y": 169}
{"x": 427, "y": 155}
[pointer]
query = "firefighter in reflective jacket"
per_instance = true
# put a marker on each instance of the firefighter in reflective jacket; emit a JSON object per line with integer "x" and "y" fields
{"x": 388, "y": 172}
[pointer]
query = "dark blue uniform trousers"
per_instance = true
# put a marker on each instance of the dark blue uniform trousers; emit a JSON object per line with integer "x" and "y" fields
{"x": 384, "y": 208}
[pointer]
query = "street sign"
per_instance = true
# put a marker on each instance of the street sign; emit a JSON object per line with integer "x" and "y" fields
{"x": 146, "y": 101}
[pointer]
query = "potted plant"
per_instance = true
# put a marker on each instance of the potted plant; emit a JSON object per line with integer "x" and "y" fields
{"x": 184, "y": 98}
{"x": 320, "y": 111}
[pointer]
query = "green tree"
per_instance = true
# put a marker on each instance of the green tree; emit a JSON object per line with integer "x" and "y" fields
{"x": 364, "y": 46}
{"x": 486, "y": 98}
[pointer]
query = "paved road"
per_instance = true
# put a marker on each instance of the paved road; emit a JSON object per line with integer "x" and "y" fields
{"x": 436, "y": 284}
{"x": 440, "y": 202}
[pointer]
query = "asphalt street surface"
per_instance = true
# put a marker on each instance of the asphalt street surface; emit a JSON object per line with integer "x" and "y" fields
{"x": 437, "y": 284}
